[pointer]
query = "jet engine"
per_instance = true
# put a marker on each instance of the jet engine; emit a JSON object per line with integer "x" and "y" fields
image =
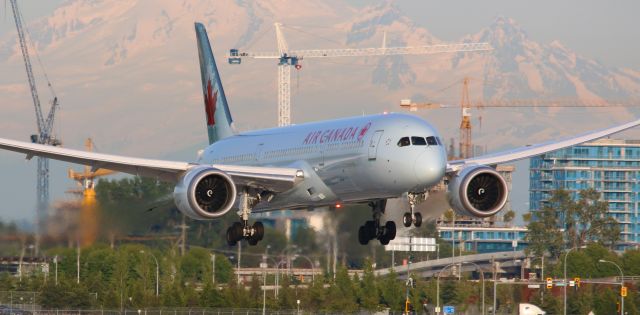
{"x": 478, "y": 191}
{"x": 205, "y": 193}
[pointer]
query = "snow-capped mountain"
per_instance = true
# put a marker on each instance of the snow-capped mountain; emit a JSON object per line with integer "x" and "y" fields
{"x": 109, "y": 57}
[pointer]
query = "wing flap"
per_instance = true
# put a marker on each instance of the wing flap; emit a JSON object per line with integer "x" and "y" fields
{"x": 537, "y": 149}
{"x": 275, "y": 179}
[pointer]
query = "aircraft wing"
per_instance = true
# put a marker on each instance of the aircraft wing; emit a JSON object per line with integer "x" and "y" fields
{"x": 537, "y": 149}
{"x": 276, "y": 179}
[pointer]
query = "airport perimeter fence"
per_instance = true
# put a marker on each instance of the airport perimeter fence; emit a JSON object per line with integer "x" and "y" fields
{"x": 166, "y": 311}
{"x": 181, "y": 311}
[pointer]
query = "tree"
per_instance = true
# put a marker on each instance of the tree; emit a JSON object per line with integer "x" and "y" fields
{"x": 543, "y": 233}
{"x": 369, "y": 296}
{"x": 509, "y": 216}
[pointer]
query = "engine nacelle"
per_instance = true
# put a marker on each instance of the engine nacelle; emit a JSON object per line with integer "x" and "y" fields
{"x": 478, "y": 191}
{"x": 205, "y": 193}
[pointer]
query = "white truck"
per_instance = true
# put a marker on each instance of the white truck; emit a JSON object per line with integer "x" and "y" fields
{"x": 530, "y": 309}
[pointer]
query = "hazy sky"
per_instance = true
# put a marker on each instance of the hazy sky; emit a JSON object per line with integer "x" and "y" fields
{"x": 605, "y": 31}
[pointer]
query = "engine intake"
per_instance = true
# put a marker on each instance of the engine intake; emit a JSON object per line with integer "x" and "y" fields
{"x": 478, "y": 191}
{"x": 205, "y": 193}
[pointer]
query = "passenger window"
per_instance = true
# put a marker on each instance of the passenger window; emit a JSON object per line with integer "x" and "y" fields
{"x": 432, "y": 140}
{"x": 418, "y": 141}
{"x": 404, "y": 142}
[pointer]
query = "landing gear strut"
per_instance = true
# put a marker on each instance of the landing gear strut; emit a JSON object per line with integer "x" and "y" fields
{"x": 373, "y": 229}
{"x": 412, "y": 217}
{"x": 242, "y": 230}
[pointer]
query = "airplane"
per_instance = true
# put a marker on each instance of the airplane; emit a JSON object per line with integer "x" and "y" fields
{"x": 358, "y": 160}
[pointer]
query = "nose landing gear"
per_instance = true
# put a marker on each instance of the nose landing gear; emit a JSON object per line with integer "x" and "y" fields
{"x": 373, "y": 229}
{"x": 412, "y": 217}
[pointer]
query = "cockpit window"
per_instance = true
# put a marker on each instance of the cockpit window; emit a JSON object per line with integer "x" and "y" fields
{"x": 418, "y": 141}
{"x": 439, "y": 140}
{"x": 403, "y": 142}
{"x": 432, "y": 140}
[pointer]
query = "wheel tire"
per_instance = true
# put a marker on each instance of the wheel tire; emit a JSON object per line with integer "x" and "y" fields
{"x": 231, "y": 240}
{"x": 370, "y": 230}
{"x": 390, "y": 230}
{"x": 418, "y": 219}
{"x": 259, "y": 228}
{"x": 406, "y": 219}
{"x": 237, "y": 231}
{"x": 363, "y": 236}
{"x": 252, "y": 241}
{"x": 384, "y": 240}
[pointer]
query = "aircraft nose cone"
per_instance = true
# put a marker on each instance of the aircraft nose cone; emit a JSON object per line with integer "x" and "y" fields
{"x": 430, "y": 167}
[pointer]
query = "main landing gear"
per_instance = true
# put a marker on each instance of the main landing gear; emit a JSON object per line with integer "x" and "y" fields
{"x": 412, "y": 217}
{"x": 242, "y": 230}
{"x": 373, "y": 229}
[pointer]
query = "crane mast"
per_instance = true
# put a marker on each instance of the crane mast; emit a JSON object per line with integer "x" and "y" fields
{"x": 45, "y": 126}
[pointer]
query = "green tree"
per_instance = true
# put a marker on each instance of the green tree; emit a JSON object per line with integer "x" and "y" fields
{"x": 509, "y": 216}
{"x": 543, "y": 235}
{"x": 392, "y": 291}
{"x": 369, "y": 296}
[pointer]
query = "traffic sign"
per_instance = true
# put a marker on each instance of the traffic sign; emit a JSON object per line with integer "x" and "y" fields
{"x": 449, "y": 309}
{"x": 413, "y": 244}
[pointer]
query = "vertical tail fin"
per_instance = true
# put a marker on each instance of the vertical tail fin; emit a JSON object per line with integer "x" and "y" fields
{"x": 215, "y": 102}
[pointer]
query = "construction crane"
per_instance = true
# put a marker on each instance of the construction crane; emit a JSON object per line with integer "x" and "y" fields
{"x": 88, "y": 205}
{"x": 45, "y": 125}
{"x": 291, "y": 58}
{"x": 466, "y": 143}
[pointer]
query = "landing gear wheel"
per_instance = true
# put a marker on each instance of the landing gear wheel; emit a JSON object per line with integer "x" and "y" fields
{"x": 384, "y": 240}
{"x": 234, "y": 233}
{"x": 258, "y": 227}
{"x": 417, "y": 219}
{"x": 252, "y": 241}
{"x": 363, "y": 235}
{"x": 390, "y": 230}
{"x": 370, "y": 230}
{"x": 406, "y": 219}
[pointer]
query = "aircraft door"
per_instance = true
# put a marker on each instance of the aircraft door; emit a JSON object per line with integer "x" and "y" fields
{"x": 373, "y": 144}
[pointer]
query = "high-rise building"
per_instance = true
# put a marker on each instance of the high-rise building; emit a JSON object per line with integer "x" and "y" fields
{"x": 612, "y": 167}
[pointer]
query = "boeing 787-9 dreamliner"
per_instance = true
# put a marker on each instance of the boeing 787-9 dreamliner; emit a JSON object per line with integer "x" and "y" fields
{"x": 358, "y": 160}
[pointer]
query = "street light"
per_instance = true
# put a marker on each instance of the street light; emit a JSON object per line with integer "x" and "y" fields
{"x": 459, "y": 271}
{"x": 621, "y": 283}
{"x": 565, "y": 276}
{"x": 313, "y": 270}
{"x": 157, "y": 272}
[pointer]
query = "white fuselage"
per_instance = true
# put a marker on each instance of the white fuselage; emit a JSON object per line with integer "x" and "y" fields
{"x": 346, "y": 160}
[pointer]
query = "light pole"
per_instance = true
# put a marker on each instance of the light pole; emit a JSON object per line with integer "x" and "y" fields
{"x": 621, "y": 283}
{"x": 55, "y": 261}
{"x": 565, "y": 277}
{"x": 438, "y": 286}
{"x": 313, "y": 269}
{"x": 157, "y": 272}
{"x": 213, "y": 269}
{"x": 482, "y": 277}
{"x": 459, "y": 271}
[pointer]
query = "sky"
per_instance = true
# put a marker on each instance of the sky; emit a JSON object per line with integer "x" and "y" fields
{"x": 605, "y": 31}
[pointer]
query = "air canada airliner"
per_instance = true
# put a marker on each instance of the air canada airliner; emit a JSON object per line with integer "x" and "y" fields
{"x": 358, "y": 160}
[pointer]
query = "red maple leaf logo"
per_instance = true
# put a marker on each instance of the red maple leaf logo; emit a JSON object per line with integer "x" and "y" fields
{"x": 210, "y": 101}
{"x": 363, "y": 131}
